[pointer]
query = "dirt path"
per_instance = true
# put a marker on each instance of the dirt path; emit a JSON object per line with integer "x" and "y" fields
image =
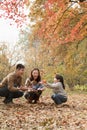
{"x": 46, "y": 115}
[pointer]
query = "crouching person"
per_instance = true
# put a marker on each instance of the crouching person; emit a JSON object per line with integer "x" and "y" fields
{"x": 35, "y": 88}
{"x": 59, "y": 95}
{"x": 10, "y": 87}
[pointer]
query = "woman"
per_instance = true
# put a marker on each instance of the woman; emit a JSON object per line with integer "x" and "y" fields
{"x": 35, "y": 88}
{"x": 58, "y": 87}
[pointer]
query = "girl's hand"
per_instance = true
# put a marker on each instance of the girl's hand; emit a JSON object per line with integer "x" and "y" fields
{"x": 43, "y": 82}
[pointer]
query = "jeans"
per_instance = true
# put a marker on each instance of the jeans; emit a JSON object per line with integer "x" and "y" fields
{"x": 59, "y": 99}
{"x": 9, "y": 95}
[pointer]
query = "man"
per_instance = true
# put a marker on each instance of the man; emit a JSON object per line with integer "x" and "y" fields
{"x": 11, "y": 85}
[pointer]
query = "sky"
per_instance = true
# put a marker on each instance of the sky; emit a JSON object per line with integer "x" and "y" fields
{"x": 8, "y": 33}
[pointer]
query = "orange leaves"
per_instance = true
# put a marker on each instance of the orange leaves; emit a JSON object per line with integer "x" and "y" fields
{"x": 58, "y": 26}
{"x": 76, "y": 30}
{"x": 26, "y": 2}
{"x": 66, "y": 23}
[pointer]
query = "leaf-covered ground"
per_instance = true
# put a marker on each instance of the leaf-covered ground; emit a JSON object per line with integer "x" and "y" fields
{"x": 45, "y": 115}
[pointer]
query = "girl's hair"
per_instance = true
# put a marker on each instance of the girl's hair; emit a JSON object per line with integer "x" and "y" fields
{"x": 61, "y": 79}
{"x": 38, "y": 78}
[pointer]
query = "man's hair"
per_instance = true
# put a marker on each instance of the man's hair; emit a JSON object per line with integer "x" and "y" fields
{"x": 20, "y": 66}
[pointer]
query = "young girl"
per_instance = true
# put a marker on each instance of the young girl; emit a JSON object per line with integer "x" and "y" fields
{"x": 58, "y": 87}
{"x": 35, "y": 88}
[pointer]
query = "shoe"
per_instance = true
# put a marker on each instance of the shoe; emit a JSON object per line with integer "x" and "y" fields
{"x": 36, "y": 101}
{"x": 7, "y": 101}
{"x": 29, "y": 101}
{"x": 4, "y": 101}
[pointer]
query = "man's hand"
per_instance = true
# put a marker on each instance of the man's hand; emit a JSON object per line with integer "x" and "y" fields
{"x": 23, "y": 88}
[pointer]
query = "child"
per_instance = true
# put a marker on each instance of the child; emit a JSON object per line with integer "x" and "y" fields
{"x": 34, "y": 85}
{"x": 58, "y": 87}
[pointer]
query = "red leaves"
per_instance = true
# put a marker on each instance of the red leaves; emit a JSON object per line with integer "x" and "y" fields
{"x": 62, "y": 24}
{"x": 75, "y": 32}
{"x": 13, "y": 9}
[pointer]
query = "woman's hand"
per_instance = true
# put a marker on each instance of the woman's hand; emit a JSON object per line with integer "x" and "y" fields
{"x": 42, "y": 89}
{"x": 31, "y": 90}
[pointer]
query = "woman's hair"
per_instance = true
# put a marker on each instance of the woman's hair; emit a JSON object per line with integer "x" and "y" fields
{"x": 38, "y": 78}
{"x": 61, "y": 79}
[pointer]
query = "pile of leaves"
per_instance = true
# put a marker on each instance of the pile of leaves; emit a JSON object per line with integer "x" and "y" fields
{"x": 45, "y": 115}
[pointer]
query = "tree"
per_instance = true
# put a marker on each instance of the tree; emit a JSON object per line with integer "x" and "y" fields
{"x": 9, "y": 58}
{"x": 4, "y": 61}
{"x": 14, "y": 10}
{"x": 58, "y": 22}
{"x": 60, "y": 27}
{"x": 77, "y": 0}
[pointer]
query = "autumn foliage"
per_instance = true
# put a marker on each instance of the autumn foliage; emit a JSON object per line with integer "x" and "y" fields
{"x": 58, "y": 37}
{"x": 62, "y": 23}
{"x": 14, "y": 10}
{"x": 57, "y": 43}
{"x": 45, "y": 115}
{"x": 61, "y": 27}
